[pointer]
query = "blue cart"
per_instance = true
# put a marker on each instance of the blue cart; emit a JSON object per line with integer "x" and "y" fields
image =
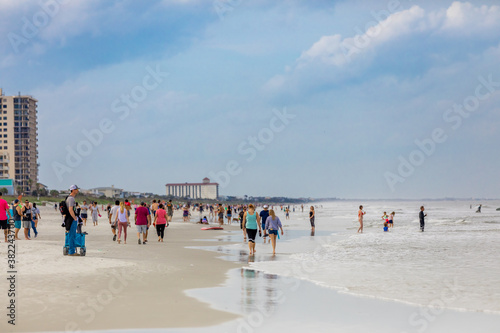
{"x": 79, "y": 242}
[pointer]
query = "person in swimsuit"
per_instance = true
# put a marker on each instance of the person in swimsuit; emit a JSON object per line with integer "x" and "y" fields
{"x": 252, "y": 222}
{"x": 391, "y": 220}
{"x": 221, "y": 215}
{"x": 312, "y": 215}
{"x": 185, "y": 213}
{"x": 229, "y": 213}
{"x": 361, "y": 213}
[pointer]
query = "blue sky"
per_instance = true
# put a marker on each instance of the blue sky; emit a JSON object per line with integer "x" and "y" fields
{"x": 360, "y": 81}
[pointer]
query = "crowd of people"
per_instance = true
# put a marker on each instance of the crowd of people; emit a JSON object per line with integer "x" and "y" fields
{"x": 159, "y": 214}
{"x": 25, "y": 217}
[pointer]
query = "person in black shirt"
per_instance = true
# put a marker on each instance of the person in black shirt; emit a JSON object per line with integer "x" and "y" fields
{"x": 422, "y": 218}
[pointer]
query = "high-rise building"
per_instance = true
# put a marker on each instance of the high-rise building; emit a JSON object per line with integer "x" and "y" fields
{"x": 19, "y": 141}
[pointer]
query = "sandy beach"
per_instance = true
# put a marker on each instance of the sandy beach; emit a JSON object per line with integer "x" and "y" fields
{"x": 115, "y": 286}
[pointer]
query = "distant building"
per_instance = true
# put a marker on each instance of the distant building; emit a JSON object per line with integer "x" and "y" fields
{"x": 19, "y": 143}
{"x": 109, "y": 192}
{"x": 204, "y": 190}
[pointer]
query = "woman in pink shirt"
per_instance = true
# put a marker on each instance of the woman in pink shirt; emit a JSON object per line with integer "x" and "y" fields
{"x": 160, "y": 222}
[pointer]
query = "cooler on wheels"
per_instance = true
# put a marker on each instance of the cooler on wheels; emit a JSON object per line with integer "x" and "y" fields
{"x": 79, "y": 242}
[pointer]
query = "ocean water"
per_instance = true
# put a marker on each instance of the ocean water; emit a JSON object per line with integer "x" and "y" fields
{"x": 454, "y": 264}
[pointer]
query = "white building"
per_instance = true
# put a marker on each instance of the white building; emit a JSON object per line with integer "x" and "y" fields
{"x": 204, "y": 190}
{"x": 109, "y": 192}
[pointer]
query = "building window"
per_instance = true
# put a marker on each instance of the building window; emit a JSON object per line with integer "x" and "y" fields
{"x": 5, "y": 147}
{"x": 4, "y": 141}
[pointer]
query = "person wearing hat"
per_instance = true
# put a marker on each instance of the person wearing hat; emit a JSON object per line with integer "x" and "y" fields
{"x": 17, "y": 212}
{"x": 71, "y": 220}
{"x": 263, "y": 216}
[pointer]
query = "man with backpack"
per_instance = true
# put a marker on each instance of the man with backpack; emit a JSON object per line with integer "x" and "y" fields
{"x": 70, "y": 219}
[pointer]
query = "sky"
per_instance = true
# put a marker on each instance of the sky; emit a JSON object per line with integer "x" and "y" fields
{"x": 347, "y": 99}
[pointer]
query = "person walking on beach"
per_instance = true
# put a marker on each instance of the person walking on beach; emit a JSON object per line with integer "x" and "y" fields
{"x": 263, "y": 217}
{"x": 95, "y": 212}
{"x": 170, "y": 211}
{"x": 229, "y": 214}
{"x": 4, "y": 221}
{"x": 185, "y": 213}
{"x": 422, "y": 216}
{"x": 221, "y": 215}
{"x": 252, "y": 220}
{"x": 154, "y": 207}
{"x": 287, "y": 213}
{"x": 272, "y": 224}
{"x": 142, "y": 222}
{"x": 83, "y": 212}
{"x": 26, "y": 210}
{"x": 242, "y": 225}
{"x": 17, "y": 211}
{"x": 361, "y": 213}
{"x": 312, "y": 215}
{"x": 113, "y": 218}
{"x": 71, "y": 220}
{"x": 35, "y": 215}
{"x": 160, "y": 222}
{"x": 127, "y": 206}
{"x": 122, "y": 222}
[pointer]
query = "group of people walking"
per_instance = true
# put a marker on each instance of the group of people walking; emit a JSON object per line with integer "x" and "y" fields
{"x": 25, "y": 217}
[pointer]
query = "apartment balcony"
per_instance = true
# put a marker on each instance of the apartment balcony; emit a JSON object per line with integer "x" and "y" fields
{"x": 4, "y": 168}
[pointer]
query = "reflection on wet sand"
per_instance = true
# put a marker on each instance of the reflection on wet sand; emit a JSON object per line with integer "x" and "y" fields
{"x": 259, "y": 291}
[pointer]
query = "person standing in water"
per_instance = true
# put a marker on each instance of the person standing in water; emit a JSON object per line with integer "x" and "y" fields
{"x": 242, "y": 225}
{"x": 422, "y": 216}
{"x": 312, "y": 217}
{"x": 361, "y": 213}
{"x": 252, "y": 222}
{"x": 263, "y": 217}
{"x": 272, "y": 224}
{"x": 391, "y": 220}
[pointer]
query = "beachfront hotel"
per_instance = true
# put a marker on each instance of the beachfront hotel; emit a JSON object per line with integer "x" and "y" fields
{"x": 204, "y": 190}
{"x": 18, "y": 141}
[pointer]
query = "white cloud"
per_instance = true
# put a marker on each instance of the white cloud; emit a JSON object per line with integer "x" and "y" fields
{"x": 338, "y": 51}
{"x": 342, "y": 57}
{"x": 465, "y": 18}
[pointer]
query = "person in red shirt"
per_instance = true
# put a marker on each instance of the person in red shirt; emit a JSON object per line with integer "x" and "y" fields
{"x": 4, "y": 210}
{"x": 142, "y": 222}
{"x": 128, "y": 207}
